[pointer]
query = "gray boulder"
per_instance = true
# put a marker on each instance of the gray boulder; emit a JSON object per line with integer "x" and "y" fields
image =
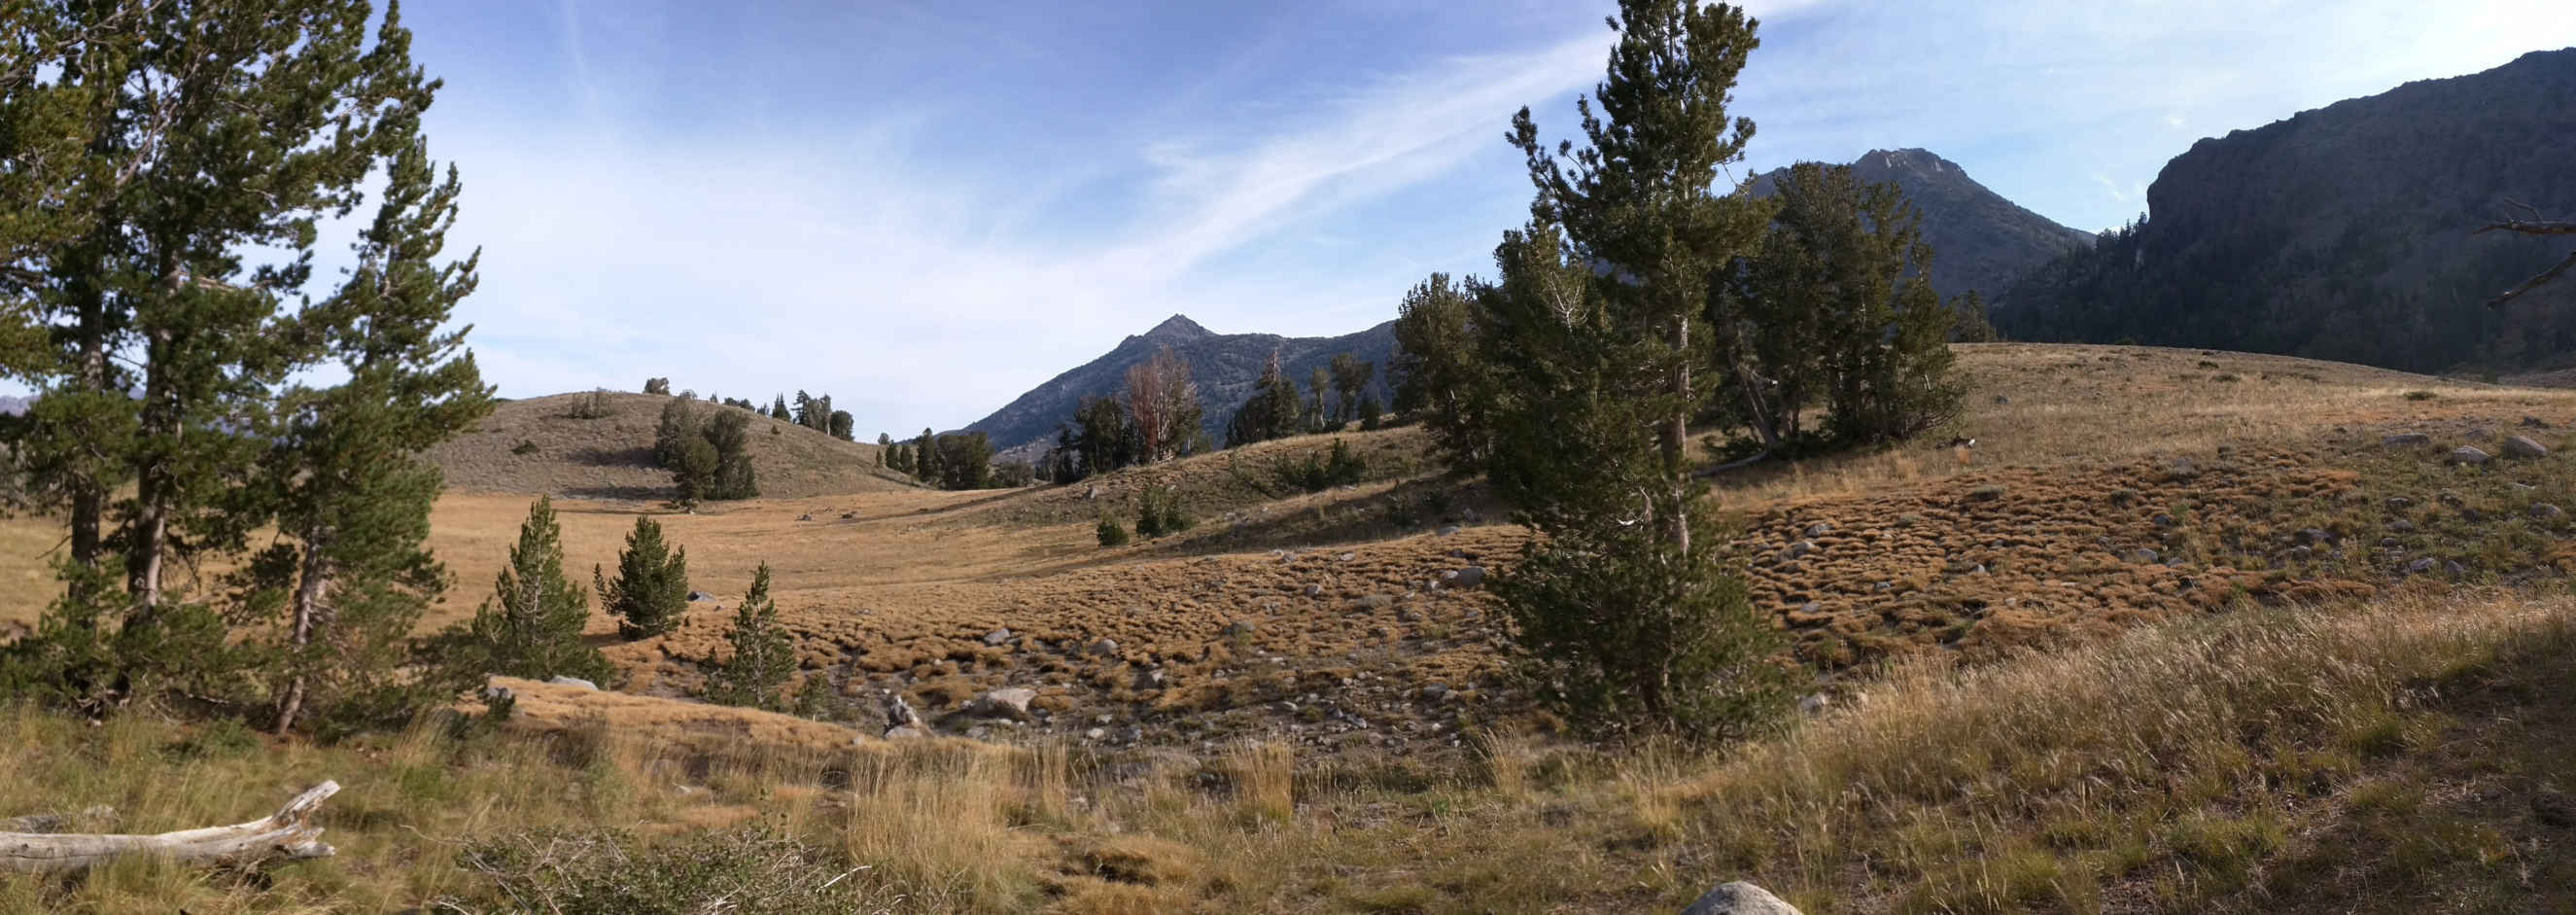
{"x": 2406, "y": 440}
{"x": 1104, "y": 648}
{"x": 2468, "y": 454}
{"x": 1800, "y": 549}
{"x": 700, "y": 597}
{"x": 2521, "y": 446}
{"x": 1011, "y": 703}
{"x": 997, "y": 637}
{"x": 574, "y": 681}
{"x": 1740, "y": 898}
{"x": 1469, "y": 577}
{"x": 2547, "y": 512}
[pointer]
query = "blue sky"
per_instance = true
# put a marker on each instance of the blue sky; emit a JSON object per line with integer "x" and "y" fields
{"x": 925, "y": 208}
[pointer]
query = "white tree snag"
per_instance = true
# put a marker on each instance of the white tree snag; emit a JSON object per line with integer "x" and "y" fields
{"x": 289, "y": 834}
{"x": 2532, "y": 227}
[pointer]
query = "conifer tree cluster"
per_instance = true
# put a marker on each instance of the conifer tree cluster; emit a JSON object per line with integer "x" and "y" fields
{"x": 181, "y": 394}
{"x": 1157, "y": 417}
{"x": 1636, "y": 298}
{"x": 706, "y": 450}
{"x": 956, "y": 461}
{"x": 1273, "y": 411}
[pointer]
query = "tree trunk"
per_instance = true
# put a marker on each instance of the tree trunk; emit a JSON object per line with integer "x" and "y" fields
{"x": 289, "y": 833}
{"x": 307, "y": 612}
{"x": 1677, "y": 435}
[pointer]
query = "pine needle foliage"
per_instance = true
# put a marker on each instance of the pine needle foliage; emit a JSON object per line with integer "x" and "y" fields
{"x": 762, "y": 655}
{"x": 651, "y": 591}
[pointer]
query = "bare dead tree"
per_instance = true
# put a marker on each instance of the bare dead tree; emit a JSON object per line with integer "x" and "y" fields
{"x": 2532, "y": 225}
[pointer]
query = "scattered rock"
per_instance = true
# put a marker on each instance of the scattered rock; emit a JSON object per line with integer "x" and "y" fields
{"x": 1740, "y": 898}
{"x": 2534, "y": 422}
{"x": 1011, "y": 703}
{"x": 2402, "y": 526}
{"x": 1814, "y": 704}
{"x": 1096, "y": 733}
{"x": 2547, "y": 512}
{"x": 997, "y": 637}
{"x": 1346, "y": 557}
{"x": 2142, "y": 556}
{"x": 700, "y": 597}
{"x": 1150, "y": 679}
{"x": 1449, "y": 530}
{"x": 2525, "y": 487}
{"x": 1091, "y": 492}
{"x": 2480, "y": 434}
{"x": 1469, "y": 577}
{"x": 2164, "y": 520}
{"x": 1435, "y": 692}
{"x": 574, "y": 681}
{"x": 808, "y": 516}
{"x": 905, "y": 732}
{"x": 1801, "y": 548}
{"x": 2468, "y": 454}
{"x": 2400, "y": 503}
{"x": 2406, "y": 440}
{"x": 2002, "y": 401}
{"x": 899, "y": 714}
{"x": 2315, "y": 537}
{"x": 2302, "y": 553}
{"x": 1104, "y": 648}
{"x": 1237, "y": 629}
{"x": 2455, "y": 568}
{"x": 1818, "y": 529}
{"x": 2421, "y": 566}
{"x": 2520, "y": 446}
{"x": 1314, "y": 590}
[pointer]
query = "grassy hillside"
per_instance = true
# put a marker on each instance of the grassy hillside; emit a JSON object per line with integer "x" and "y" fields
{"x": 612, "y": 457}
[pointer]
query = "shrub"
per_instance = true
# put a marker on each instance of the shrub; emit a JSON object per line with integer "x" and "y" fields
{"x": 1158, "y": 512}
{"x": 1111, "y": 532}
{"x": 594, "y": 406}
{"x": 657, "y": 386}
{"x": 2421, "y": 395}
{"x": 612, "y": 873}
{"x": 1319, "y": 472}
{"x": 1614, "y": 626}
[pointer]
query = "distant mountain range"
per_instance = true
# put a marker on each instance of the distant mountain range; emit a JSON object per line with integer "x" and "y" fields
{"x": 2344, "y": 233}
{"x": 1979, "y": 240}
{"x": 1225, "y": 366}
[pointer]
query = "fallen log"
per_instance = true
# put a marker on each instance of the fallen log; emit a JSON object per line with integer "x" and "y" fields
{"x": 287, "y": 834}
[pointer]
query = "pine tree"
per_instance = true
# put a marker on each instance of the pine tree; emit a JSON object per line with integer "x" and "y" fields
{"x": 763, "y": 656}
{"x": 843, "y": 425}
{"x": 651, "y": 592}
{"x": 1319, "y": 386}
{"x": 1271, "y": 412}
{"x": 1438, "y": 372}
{"x": 733, "y": 478}
{"x": 1621, "y": 612}
{"x": 681, "y": 421}
{"x": 1103, "y": 437}
{"x": 356, "y": 494}
{"x": 165, "y": 141}
{"x": 925, "y": 458}
{"x": 531, "y": 626}
{"x": 1972, "y": 325}
{"x": 778, "y": 408}
{"x": 1350, "y": 377}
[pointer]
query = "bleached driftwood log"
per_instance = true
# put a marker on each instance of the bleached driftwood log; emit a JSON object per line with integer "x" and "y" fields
{"x": 289, "y": 833}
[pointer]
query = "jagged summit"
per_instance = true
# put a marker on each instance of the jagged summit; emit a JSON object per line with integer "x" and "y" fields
{"x": 1177, "y": 329}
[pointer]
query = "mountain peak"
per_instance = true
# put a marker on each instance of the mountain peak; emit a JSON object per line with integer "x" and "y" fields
{"x": 1916, "y": 158}
{"x": 1178, "y": 328}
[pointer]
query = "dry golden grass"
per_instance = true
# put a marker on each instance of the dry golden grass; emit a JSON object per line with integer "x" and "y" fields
{"x": 2378, "y": 759}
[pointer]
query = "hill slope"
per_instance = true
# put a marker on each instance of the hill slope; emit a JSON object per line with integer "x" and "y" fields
{"x": 612, "y": 457}
{"x": 1224, "y": 365}
{"x": 2343, "y": 233}
{"x": 1979, "y": 240}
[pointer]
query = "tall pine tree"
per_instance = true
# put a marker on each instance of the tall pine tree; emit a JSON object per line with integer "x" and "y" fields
{"x": 355, "y": 492}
